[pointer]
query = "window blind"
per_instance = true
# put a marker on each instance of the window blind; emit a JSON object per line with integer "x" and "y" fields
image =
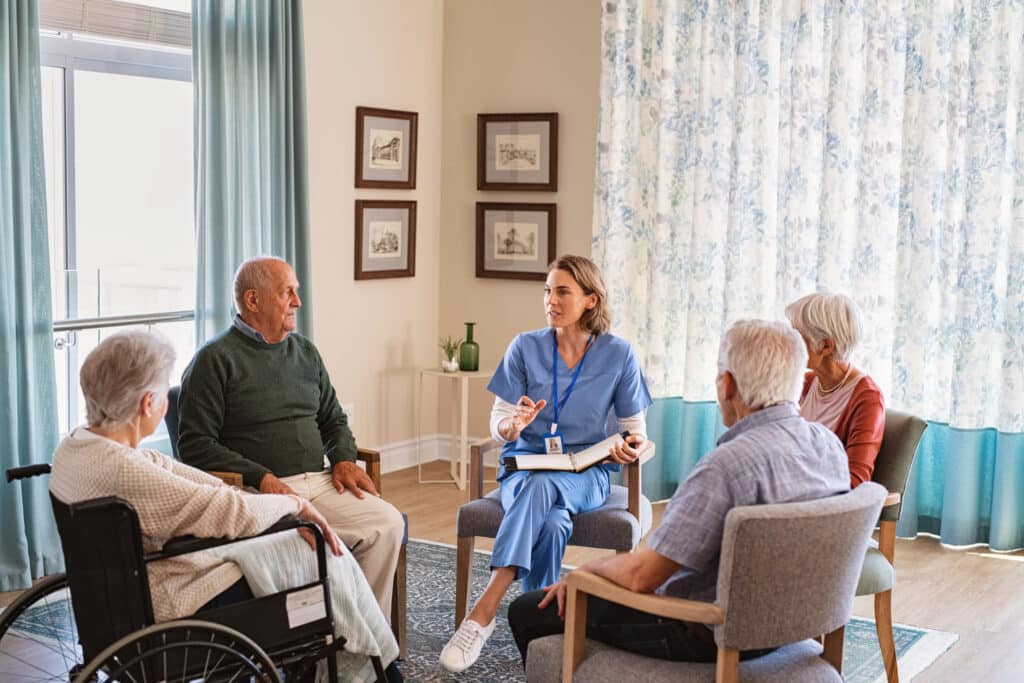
{"x": 122, "y": 20}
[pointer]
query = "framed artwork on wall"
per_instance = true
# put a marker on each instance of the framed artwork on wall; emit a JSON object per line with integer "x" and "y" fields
{"x": 517, "y": 152}
{"x": 385, "y": 239}
{"x": 386, "y": 148}
{"x": 515, "y": 241}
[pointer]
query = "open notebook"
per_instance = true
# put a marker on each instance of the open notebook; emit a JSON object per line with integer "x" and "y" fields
{"x": 571, "y": 462}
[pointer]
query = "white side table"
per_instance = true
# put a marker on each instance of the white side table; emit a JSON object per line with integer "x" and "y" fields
{"x": 458, "y": 383}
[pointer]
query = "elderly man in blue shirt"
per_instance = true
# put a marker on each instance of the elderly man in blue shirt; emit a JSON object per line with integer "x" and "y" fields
{"x": 769, "y": 455}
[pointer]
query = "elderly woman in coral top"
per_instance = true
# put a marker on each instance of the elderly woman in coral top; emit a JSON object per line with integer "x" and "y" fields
{"x": 836, "y": 394}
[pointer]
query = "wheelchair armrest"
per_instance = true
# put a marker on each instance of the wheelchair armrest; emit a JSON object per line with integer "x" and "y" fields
{"x": 27, "y": 471}
{"x": 183, "y": 545}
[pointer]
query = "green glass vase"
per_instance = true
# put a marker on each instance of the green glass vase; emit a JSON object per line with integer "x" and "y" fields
{"x": 469, "y": 352}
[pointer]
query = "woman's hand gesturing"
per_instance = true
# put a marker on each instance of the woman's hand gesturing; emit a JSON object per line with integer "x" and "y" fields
{"x": 526, "y": 412}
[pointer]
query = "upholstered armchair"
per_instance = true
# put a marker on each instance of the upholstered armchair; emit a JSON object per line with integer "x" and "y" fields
{"x": 617, "y": 525}
{"x": 878, "y": 577}
{"x": 787, "y": 574}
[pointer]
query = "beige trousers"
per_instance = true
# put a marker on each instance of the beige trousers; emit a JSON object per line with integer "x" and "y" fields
{"x": 371, "y": 528}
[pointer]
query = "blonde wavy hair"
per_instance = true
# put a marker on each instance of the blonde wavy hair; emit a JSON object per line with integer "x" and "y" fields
{"x": 598, "y": 319}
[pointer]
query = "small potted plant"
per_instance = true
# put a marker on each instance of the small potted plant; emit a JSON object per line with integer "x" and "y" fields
{"x": 450, "y": 347}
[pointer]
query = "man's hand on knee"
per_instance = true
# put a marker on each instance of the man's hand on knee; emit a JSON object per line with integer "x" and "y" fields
{"x": 271, "y": 484}
{"x": 348, "y": 475}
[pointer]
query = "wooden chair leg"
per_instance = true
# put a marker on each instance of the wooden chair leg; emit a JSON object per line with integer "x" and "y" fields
{"x": 727, "y": 668}
{"x": 883, "y": 624}
{"x": 398, "y": 603}
{"x": 833, "y": 643}
{"x": 575, "y": 640}
{"x": 463, "y": 568}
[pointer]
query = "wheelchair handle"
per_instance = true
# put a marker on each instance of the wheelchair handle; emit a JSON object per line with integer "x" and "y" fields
{"x": 27, "y": 471}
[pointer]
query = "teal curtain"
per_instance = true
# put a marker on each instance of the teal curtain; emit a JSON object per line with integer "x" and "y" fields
{"x": 251, "y": 194}
{"x": 965, "y": 486}
{"x": 28, "y": 389}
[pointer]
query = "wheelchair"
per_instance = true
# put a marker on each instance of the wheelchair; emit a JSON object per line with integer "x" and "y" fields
{"x": 95, "y": 623}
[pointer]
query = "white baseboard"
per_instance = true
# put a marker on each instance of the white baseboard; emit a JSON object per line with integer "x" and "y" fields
{"x": 399, "y": 455}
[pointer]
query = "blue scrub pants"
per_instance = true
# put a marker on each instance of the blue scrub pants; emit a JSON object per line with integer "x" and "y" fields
{"x": 537, "y": 522}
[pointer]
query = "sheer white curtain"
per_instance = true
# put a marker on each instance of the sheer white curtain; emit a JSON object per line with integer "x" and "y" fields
{"x": 750, "y": 152}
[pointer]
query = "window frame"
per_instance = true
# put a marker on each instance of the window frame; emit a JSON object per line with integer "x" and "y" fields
{"x": 71, "y": 53}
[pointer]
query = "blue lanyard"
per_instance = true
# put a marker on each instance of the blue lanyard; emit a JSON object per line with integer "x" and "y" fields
{"x": 554, "y": 372}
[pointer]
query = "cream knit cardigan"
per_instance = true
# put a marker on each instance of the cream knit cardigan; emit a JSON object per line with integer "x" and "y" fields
{"x": 171, "y": 500}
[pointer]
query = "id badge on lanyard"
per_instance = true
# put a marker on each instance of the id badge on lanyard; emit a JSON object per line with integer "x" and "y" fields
{"x": 554, "y": 444}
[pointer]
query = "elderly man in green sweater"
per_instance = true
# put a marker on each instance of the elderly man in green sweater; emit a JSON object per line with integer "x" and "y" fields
{"x": 257, "y": 400}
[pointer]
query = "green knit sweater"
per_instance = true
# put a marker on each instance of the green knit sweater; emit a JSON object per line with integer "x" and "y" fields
{"x": 254, "y": 408}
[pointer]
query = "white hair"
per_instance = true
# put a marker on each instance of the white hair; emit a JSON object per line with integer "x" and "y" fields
{"x": 766, "y": 359}
{"x": 254, "y": 273}
{"x": 827, "y": 315}
{"x": 122, "y": 369}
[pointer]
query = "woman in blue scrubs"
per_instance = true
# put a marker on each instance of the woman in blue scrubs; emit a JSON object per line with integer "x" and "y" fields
{"x": 555, "y": 386}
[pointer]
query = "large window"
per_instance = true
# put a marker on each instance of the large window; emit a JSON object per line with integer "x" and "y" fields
{"x": 118, "y": 134}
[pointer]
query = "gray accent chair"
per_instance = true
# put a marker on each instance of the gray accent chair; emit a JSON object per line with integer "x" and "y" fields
{"x": 787, "y": 574}
{"x": 372, "y": 460}
{"x": 617, "y": 525}
{"x": 895, "y": 457}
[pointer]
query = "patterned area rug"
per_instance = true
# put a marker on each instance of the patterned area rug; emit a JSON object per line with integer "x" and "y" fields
{"x": 432, "y": 609}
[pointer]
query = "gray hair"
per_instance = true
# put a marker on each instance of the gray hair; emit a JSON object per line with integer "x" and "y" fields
{"x": 253, "y": 273}
{"x": 767, "y": 360}
{"x": 122, "y": 369}
{"x": 827, "y": 315}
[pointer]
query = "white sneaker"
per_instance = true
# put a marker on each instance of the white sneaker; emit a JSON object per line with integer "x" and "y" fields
{"x": 463, "y": 649}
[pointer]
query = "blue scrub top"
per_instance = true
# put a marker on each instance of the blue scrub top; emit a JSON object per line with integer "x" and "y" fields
{"x": 610, "y": 380}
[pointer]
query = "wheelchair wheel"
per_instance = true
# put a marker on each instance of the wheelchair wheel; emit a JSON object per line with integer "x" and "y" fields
{"x": 38, "y": 638}
{"x": 186, "y": 650}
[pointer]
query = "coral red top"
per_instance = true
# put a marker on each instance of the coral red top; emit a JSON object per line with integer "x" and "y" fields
{"x": 860, "y": 427}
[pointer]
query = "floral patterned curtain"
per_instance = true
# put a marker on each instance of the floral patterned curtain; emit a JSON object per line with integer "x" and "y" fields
{"x": 750, "y": 152}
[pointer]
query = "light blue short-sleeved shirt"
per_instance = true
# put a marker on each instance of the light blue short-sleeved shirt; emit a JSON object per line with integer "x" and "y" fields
{"x": 610, "y": 380}
{"x": 770, "y": 456}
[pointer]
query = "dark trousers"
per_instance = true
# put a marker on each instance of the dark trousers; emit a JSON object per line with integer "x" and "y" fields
{"x": 239, "y": 591}
{"x": 622, "y": 627}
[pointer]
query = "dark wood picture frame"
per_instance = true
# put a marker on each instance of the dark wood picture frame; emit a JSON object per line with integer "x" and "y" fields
{"x": 362, "y": 239}
{"x": 546, "y": 178}
{"x": 542, "y": 260}
{"x": 363, "y": 170}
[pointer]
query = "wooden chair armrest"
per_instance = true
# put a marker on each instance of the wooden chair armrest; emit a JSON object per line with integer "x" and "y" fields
{"x": 893, "y": 498}
{"x": 230, "y": 478}
{"x": 583, "y": 583}
{"x": 663, "y": 606}
{"x": 634, "y": 482}
{"x": 372, "y": 460}
{"x": 476, "y": 466}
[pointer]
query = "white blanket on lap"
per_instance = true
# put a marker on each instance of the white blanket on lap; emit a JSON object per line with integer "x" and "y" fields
{"x": 274, "y": 563}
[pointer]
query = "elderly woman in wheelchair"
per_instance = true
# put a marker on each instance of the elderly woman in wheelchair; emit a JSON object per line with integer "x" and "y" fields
{"x": 124, "y": 381}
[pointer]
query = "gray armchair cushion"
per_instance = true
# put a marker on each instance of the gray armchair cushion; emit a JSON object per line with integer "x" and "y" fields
{"x": 877, "y": 575}
{"x": 610, "y": 526}
{"x": 797, "y": 663}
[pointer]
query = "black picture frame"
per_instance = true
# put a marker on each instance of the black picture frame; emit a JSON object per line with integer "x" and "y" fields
{"x": 517, "y": 152}
{"x": 515, "y": 240}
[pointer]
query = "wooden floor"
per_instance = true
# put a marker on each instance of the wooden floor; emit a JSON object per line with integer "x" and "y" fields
{"x": 974, "y": 593}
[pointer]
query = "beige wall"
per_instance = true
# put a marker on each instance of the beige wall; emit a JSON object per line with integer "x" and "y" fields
{"x": 448, "y": 60}
{"x": 372, "y": 333}
{"x": 503, "y": 56}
